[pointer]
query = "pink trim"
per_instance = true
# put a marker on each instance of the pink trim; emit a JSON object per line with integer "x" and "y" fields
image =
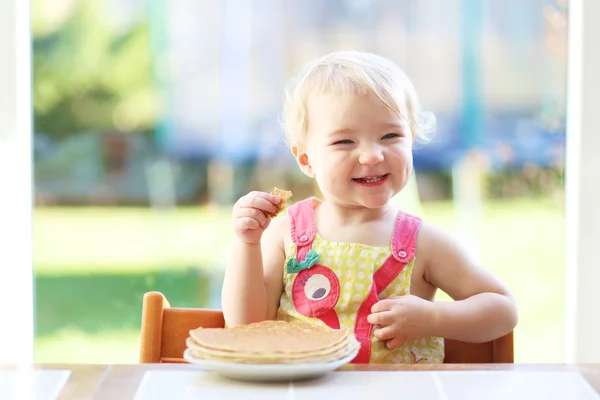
{"x": 417, "y": 359}
{"x": 303, "y": 230}
{"x": 330, "y": 318}
{"x": 363, "y": 329}
{"x": 386, "y": 274}
{"x": 403, "y": 250}
{"x": 302, "y": 226}
{"x": 404, "y": 239}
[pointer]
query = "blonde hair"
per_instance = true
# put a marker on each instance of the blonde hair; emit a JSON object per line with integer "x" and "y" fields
{"x": 352, "y": 72}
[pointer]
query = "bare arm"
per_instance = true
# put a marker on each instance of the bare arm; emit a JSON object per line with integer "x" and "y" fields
{"x": 244, "y": 294}
{"x": 483, "y": 309}
{"x": 254, "y": 277}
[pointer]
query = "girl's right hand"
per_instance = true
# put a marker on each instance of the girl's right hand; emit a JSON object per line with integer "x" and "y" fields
{"x": 249, "y": 220}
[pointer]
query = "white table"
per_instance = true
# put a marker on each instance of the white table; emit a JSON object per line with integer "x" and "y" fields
{"x": 184, "y": 381}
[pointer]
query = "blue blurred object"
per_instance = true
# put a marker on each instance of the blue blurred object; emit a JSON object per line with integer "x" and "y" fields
{"x": 472, "y": 103}
{"x": 508, "y": 140}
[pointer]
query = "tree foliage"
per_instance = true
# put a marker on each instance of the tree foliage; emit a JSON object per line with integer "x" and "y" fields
{"x": 89, "y": 75}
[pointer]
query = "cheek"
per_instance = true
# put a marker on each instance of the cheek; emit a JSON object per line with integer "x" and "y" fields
{"x": 341, "y": 163}
{"x": 324, "y": 161}
{"x": 404, "y": 155}
{"x": 332, "y": 170}
{"x": 408, "y": 163}
{"x": 402, "y": 161}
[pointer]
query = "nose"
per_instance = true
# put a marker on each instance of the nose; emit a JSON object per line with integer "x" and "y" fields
{"x": 370, "y": 155}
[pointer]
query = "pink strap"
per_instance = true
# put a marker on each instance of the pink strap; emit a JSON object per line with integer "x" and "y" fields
{"x": 404, "y": 246}
{"x": 302, "y": 224}
{"x": 404, "y": 240}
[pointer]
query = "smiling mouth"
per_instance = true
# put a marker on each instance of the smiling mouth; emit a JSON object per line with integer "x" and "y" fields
{"x": 370, "y": 179}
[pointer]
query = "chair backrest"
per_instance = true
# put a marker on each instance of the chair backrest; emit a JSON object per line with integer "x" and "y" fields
{"x": 499, "y": 351}
{"x": 165, "y": 329}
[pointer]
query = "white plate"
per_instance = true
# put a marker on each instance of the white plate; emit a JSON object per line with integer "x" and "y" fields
{"x": 269, "y": 372}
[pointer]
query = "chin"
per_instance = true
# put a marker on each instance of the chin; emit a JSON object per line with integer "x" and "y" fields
{"x": 376, "y": 202}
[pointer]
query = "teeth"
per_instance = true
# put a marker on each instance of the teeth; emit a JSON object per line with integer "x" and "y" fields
{"x": 371, "y": 180}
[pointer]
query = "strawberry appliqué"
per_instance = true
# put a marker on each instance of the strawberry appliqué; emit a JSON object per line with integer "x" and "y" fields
{"x": 316, "y": 289}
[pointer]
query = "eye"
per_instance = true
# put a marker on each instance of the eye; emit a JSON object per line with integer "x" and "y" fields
{"x": 345, "y": 141}
{"x": 317, "y": 287}
{"x": 390, "y": 136}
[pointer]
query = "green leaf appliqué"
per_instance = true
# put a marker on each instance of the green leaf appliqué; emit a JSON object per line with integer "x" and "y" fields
{"x": 293, "y": 265}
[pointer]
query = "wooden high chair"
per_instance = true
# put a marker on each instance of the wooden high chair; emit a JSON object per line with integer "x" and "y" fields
{"x": 165, "y": 329}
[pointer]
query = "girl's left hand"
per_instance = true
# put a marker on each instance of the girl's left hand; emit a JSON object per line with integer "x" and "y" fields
{"x": 402, "y": 319}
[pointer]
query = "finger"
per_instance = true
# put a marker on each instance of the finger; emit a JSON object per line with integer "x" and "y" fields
{"x": 267, "y": 196}
{"x": 382, "y": 305}
{"x": 265, "y": 224}
{"x": 385, "y": 333}
{"x": 245, "y": 223}
{"x": 253, "y": 213}
{"x": 272, "y": 198}
{"x": 259, "y": 202}
{"x": 394, "y": 343}
{"x": 380, "y": 318}
{"x": 395, "y": 297}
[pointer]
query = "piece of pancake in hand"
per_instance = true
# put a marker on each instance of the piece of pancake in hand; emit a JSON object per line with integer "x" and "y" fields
{"x": 284, "y": 195}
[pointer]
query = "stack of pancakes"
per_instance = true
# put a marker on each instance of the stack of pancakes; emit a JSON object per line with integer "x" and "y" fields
{"x": 272, "y": 342}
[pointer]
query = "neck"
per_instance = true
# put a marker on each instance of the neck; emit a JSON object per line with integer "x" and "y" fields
{"x": 349, "y": 215}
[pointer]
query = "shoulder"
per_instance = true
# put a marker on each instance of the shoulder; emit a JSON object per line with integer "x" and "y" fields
{"x": 442, "y": 253}
{"x": 278, "y": 232}
{"x": 430, "y": 233}
{"x": 279, "y": 224}
{"x": 450, "y": 265}
{"x": 433, "y": 240}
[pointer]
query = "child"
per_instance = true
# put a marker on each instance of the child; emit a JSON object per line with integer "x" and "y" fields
{"x": 351, "y": 260}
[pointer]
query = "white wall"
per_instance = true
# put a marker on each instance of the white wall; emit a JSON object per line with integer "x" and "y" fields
{"x": 16, "y": 326}
{"x": 582, "y": 323}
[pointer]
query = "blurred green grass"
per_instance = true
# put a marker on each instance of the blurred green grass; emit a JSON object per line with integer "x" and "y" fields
{"x": 92, "y": 266}
{"x": 125, "y": 240}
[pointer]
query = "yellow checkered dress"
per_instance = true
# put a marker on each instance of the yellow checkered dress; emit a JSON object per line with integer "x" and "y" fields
{"x": 336, "y": 284}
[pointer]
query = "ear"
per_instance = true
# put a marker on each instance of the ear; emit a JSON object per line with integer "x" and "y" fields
{"x": 302, "y": 160}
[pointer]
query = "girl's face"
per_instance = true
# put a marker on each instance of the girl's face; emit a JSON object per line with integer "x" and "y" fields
{"x": 359, "y": 151}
